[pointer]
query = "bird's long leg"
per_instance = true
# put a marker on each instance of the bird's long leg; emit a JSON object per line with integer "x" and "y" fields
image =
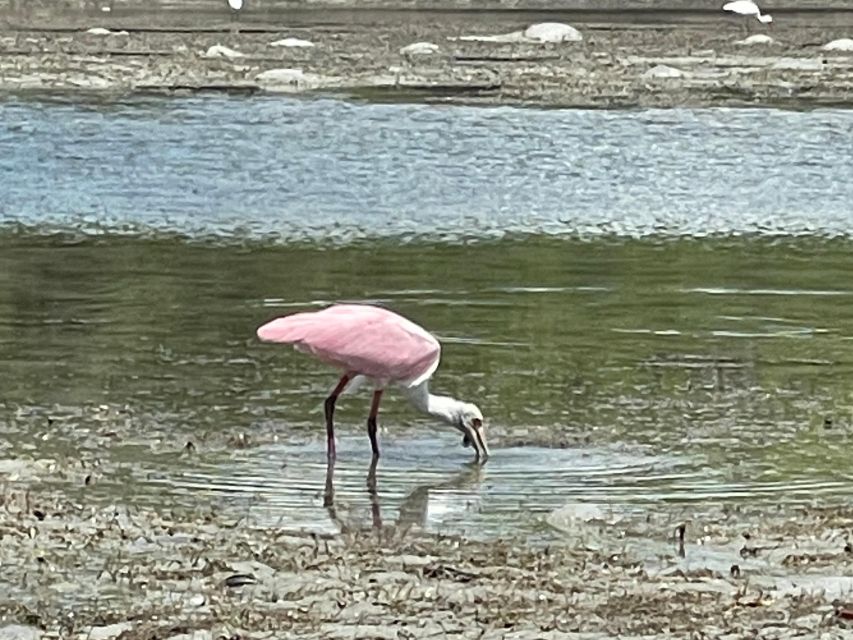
{"x": 371, "y": 422}
{"x": 375, "y": 509}
{"x": 329, "y": 488}
{"x": 330, "y": 414}
{"x": 329, "y": 499}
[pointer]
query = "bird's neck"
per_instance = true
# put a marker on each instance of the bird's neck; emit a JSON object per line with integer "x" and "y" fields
{"x": 442, "y": 407}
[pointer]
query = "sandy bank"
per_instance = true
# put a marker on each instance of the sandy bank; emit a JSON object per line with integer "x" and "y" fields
{"x": 74, "y": 569}
{"x": 693, "y": 61}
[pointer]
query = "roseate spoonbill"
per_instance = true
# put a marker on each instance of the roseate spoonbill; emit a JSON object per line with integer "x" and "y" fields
{"x": 382, "y": 346}
{"x": 747, "y": 8}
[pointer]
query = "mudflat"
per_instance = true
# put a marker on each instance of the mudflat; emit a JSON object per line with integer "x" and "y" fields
{"x": 625, "y": 59}
{"x": 80, "y": 561}
{"x": 78, "y": 570}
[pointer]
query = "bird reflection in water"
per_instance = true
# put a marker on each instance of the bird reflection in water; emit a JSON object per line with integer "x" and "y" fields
{"x": 414, "y": 510}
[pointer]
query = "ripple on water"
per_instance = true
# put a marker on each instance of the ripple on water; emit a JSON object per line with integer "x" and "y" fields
{"x": 327, "y": 170}
{"x": 721, "y": 350}
{"x": 730, "y": 291}
{"x": 285, "y": 485}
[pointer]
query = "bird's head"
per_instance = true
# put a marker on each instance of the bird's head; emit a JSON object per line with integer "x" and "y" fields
{"x": 470, "y": 422}
{"x": 764, "y": 18}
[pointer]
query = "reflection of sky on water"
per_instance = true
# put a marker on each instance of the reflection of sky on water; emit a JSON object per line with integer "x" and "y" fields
{"x": 325, "y": 169}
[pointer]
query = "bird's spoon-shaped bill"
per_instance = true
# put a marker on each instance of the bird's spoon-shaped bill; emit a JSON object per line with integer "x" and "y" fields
{"x": 475, "y": 437}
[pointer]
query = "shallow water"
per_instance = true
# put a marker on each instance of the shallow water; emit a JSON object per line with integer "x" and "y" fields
{"x": 630, "y": 346}
{"x": 334, "y": 171}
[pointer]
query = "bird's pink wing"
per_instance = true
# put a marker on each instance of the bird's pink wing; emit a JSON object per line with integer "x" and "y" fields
{"x": 362, "y": 339}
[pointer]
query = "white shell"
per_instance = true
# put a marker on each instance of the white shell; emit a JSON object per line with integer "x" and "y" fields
{"x": 842, "y": 44}
{"x": 552, "y": 32}
{"x": 758, "y": 38}
{"x": 220, "y": 51}
{"x": 292, "y": 42}
{"x": 419, "y": 49}
{"x": 663, "y": 71}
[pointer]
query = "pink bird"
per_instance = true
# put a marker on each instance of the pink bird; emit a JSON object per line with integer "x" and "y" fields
{"x": 384, "y": 347}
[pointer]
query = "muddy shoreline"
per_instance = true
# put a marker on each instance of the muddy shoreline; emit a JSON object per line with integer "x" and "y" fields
{"x": 77, "y": 570}
{"x": 643, "y": 60}
{"x": 86, "y": 555}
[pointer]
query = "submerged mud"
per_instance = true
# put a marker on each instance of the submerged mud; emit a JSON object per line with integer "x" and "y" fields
{"x": 694, "y": 61}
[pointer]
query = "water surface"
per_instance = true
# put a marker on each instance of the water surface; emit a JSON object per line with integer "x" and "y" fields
{"x": 333, "y": 171}
{"x": 653, "y": 309}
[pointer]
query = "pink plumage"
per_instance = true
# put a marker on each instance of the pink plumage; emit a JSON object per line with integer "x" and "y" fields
{"x": 364, "y": 340}
{"x": 361, "y": 339}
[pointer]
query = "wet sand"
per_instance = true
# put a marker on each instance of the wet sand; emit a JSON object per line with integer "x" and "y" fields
{"x": 661, "y": 59}
{"x": 81, "y": 562}
{"x": 76, "y": 570}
